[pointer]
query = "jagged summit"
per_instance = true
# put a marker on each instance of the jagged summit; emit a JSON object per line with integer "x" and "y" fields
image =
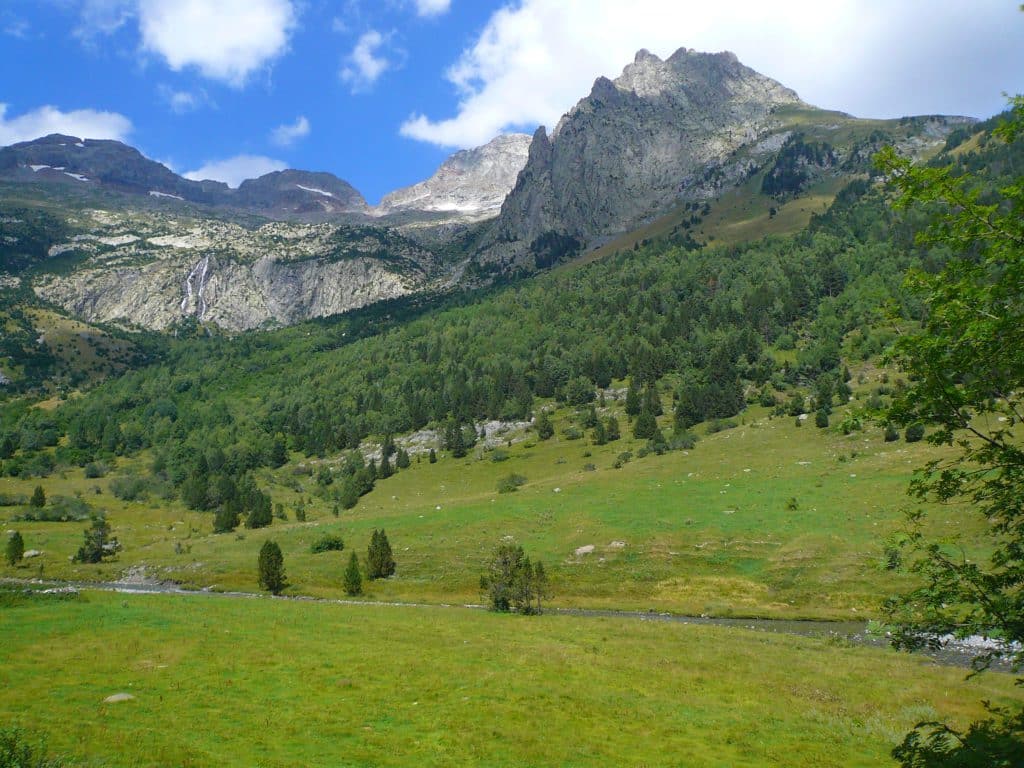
{"x": 472, "y": 182}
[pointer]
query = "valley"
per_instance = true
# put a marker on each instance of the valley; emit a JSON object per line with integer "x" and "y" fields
{"x": 699, "y": 350}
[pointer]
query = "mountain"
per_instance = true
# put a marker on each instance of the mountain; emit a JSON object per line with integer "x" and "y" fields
{"x": 472, "y": 183}
{"x": 662, "y": 134}
{"x": 117, "y": 167}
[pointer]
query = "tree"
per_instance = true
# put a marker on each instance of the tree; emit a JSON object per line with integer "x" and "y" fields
{"x": 821, "y": 418}
{"x": 612, "y": 429}
{"x": 646, "y": 425}
{"x": 38, "y": 499}
{"x": 353, "y": 579}
{"x": 966, "y": 372}
{"x": 15, "y": 548}
{"x": 402, "y": 459}
{"x": 541, "y": 588}
{"x": 545, "y": 429}
{"x": 270, "y": 567}
{"x": 380, "y": 562}
{"x": 97, "y": 542}
{"x": 226, "y": 519}
{"x": 512, "y": 582}
{"x": 432, "y": 457}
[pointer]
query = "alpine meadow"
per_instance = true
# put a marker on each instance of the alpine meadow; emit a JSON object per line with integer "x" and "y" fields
{"x": 683, "y": 431}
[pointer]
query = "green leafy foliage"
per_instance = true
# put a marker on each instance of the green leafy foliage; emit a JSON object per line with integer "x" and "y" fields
{"x": 512, "y": 582}
{"x": 270, "y": 568}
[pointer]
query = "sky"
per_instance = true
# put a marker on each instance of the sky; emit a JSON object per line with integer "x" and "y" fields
{"x": 379, "y": 92}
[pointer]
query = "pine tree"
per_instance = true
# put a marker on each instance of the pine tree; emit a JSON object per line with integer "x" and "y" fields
{"x": 384, "y": 471}
{"x": 380, "y": 561}
{"x": 600, "y": 434}
{"x": 402, "y": 459}
{"x": 97, "y": 540}
{"x": 433, "y": 456}
{"x": 38, "y": 498}
{"x": 278, "y": 451}
{"x": 271, "y": 568}
{"x": 541, "y": 589}
{"x": 545, "y": 429}
{"x": 646, "y": 425}
{"x": 227, "y": 518}
{"x": 633, "y": 398}
{"x": 15, "y": 548}
{"x": 353, "y": 579}
{"x": 612, "y": 429}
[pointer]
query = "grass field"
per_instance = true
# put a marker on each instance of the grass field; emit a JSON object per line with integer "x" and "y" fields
{"x": 261, "y": 682}
{"x": 704, "y": 531}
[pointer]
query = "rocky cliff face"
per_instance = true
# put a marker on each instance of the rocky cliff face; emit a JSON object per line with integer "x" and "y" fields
{"x": 623, "y": 152}
{"x": 153, "y": 271}
{"x": 473, "y": 182}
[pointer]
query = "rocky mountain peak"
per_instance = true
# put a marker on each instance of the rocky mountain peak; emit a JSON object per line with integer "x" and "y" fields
{"x": 472, "y": 182}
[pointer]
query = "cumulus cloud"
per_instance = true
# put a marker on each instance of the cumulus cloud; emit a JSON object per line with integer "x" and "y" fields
{"x": 535, "y": 59}
{"x": 432, "y": 7}
{"x": 364, "y": 66}
{"x": 287, "y": 134}
{"x": 84, "y": 123}
{"x": 234, "y": 170}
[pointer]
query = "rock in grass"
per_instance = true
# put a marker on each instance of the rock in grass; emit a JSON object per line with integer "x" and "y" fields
{"x": 117, "y": 698}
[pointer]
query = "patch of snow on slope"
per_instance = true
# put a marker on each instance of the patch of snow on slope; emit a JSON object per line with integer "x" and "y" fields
{"x": 77, "y": 176}
{"x": 315, "y": 190}
{"x": 154, "y": 193}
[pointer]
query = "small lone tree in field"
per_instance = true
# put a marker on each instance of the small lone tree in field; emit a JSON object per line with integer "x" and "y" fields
{"x": 353, "y": 579}
{"x": 380, "y": 561}
{"x": 512, "y": 582}
{"x": 15, "y": 548}
{"x": 38, "y": 499}
{"x": 97, "y": 542}
{"x": 271, "y": 568}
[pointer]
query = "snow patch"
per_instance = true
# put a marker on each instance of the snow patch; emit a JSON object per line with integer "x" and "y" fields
{"x": 57, "y": 250}
{"x": 154, "y": 193}
{"x": 38, "y": 168}
{"x": 77, "y": 176}
{"x": 315, "y": 190}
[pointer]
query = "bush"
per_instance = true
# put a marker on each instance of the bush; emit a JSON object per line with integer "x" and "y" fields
{"x": 821, "y": 419}
{"x": 720, "y": 425}
{"x": 17, "y": 752}
{"x": 96, "y": 469}
{"x": 130, "y": 488}
{"x": 572, "y": 433}
{"x": 891, "y": 435}
{"x": 13, "y": 499}
{"x": 511, "y": 483}
{"x": 499, "y": 455}
{"x": 914, "y": 433}
{"x": 683, "y": 441}
{"x": 327, "y": 543}
{"x": 62, "y": 509}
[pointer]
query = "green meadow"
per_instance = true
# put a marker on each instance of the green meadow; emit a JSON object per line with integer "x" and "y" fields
{"x": 264, "y": 682}
{"x": 765, "y": 519}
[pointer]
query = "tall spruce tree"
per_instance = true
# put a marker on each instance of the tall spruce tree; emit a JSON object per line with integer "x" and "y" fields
{"x": 270, "y": 568}
{"x": 15, "y": 548}
{"x": 353, "y": 579}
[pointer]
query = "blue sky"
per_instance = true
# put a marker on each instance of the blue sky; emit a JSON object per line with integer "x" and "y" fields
{"x": 380, "y": 93}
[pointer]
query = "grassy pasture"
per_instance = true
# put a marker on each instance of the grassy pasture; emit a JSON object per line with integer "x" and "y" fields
{"x": 261, "y": 682}
{"x": 704, "y": 531}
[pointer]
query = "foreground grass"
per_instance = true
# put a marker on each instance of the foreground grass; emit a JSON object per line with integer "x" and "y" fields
{"x": 261, "y": 682}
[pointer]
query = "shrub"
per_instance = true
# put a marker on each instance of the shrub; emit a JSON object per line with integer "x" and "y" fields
{"x": 130, "y": 488}
{"x": 327, "y": 543}
{"x": 720, "y": 425}
{"x": 511, "y": 483}
{"x": 683, "y": 441}
{"x": 499, "y": 455}
{"x": 95, "y": 469}
{"x": 17, "y": 752}
{"x": 821, "y": 419}
{"x": 572, "y": 433}
{"x": 891, "y": 435}
{"x": 914, "y": 433}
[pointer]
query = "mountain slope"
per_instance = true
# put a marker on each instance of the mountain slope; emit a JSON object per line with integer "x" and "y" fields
{"x": 665, "y": 134}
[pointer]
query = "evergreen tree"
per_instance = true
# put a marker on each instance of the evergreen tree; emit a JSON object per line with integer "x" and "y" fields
{"x": 402, "y": 459}
{"x": 612, "y": 429}
{"x": 633, "y": 398}
{"x": 545, "y": 429}
{"x": 97, "y": 541}
{"x": 646, "y": 425}
{"x": 38, "y": 499}
{"x": 384, "y": 471}
{"x": 270, "y": 567}
{"x": 349, "y": 495}
{"x": 380, "y": 561}
{"x": 227, "y": 518}
{"x": 541, "y": 588}
{"x": 15, "y": 548}
{"x": 821, "y": 419}
{"x": 433, "y": 456}
{"x": 353, "y": 579}
{"x": 600, "y": 433}
{"x": 278, "y": 451}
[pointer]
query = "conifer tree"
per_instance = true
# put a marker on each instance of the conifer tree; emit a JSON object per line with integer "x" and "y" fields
{"x": 612, "y": 429}
{"x": 38, "y": 499}
{"x": 15, "y": 548}
{"x": 353, "y": 579}
{"x": 545, "y": 429}
{"x": 271, "y": 568}
{"x": 433, "y": 456}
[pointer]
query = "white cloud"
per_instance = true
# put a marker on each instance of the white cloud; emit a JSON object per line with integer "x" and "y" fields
{"x": 234, "y": 170}
{"x": 182, "y": 102}
{"x": 365, "y": 65}
{"x": 536, "y": 58}
{"x": 225, "y": 40}
{"x": 432, "y": 7}
{"x": 287, "y": 134}
{"x": 83, "y": 123}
